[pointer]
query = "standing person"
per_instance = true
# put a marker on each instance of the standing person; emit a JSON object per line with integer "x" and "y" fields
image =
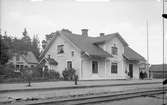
{"x": 29, "y": 76}
{"x": 76, "y": 79}
{"x": 141, "y": 75}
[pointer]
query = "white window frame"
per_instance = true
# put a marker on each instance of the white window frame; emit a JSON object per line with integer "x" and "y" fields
{"x": 59, "y": 52}
{"x": 67, "y": 63}
{"x": 72, "y": 53}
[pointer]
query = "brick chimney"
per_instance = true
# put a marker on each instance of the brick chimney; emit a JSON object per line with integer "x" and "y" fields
{"x": 85, "y": 32}
{"x": 101, "y": 34}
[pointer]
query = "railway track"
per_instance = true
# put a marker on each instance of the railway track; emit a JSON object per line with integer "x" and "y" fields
{"x": 102, "y": 98}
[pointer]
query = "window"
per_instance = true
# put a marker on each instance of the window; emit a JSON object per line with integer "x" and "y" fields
{"x": 114, "y": 50}
{"x": 21, "y": 67}
{"x": 94, "y": 67}
{"x": 72, "y": 53}
{"x": 114, "y": 68}
{"x": 69, "y": 64}
{"x": 17, "y": 58}
{"x": 17, "y": 67}
{"x": 60, "y": 49}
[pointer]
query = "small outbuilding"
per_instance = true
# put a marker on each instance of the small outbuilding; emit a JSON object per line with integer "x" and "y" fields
{"x": 156, "y": 71}
{"x": 23, "y": 60}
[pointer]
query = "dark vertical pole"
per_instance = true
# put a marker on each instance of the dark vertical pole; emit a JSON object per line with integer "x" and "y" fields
{"x": 163, "y": 34}
{"x": 147, "y": 49}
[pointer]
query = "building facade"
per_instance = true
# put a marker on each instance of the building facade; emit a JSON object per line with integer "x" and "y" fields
{"x": 23, "y": 60}
{"x": 157, "y": 70}
{"x": 103, "y": 57}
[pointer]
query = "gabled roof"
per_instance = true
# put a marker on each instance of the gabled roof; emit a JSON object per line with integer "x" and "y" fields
{"x": 158, "y": 67}
{"x": 30, "y": 57}
{"x": 49, "y": 44}
{"x": 27, "y": 56}
{"x": 52, "y": 61}
{"x": 130, "y": 54}
{"x": 86, "y": 44}
{"x": 89, "y": 45}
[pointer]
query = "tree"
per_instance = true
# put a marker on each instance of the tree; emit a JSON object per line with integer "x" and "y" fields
{"x": 44, "y": 44}
{"x": 26, "y": 41}
{"x": 35, "y": 46}
{"x": 4, "y": 55}
{"x": 5, "y": 43}
{"x": 25, "y": 33}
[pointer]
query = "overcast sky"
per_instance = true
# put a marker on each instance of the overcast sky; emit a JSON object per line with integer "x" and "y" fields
{"x": 128, "y": 17}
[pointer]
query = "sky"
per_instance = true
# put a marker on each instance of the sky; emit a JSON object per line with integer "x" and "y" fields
{"x": 128, "y": 17}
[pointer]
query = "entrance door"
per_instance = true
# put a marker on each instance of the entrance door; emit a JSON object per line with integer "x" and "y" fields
{"x": 94, "y": 67}
{"x": 131, "y": 70}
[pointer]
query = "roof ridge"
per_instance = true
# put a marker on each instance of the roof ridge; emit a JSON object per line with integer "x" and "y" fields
{"x": 158, "y": 64}
{"x": 85, "y": 44}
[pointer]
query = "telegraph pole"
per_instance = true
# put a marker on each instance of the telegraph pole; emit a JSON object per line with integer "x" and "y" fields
{"x": 163, "y": 44}
{"x": 147, "y": 50}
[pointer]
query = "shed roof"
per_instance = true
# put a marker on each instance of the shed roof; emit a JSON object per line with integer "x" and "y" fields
{"x": 158, "y": 67}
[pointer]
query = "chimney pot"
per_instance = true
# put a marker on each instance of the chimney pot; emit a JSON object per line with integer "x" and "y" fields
{"x": 48, "y": 56}
{"x": 101, "y": 34}
{"x": 85, "y": 32}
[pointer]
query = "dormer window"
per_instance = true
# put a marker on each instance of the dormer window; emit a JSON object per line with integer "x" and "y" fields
{"x": 114, "y": 50}
{"x": 60, "y": 49}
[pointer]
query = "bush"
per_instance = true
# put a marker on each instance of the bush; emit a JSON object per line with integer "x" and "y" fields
{"x": 7, "y": 74}
{"x": 37, "y": 71}
{"x": 8, "y": 80}
{"x": 8, "y": 70}
{"x": 47, "y": 74}
{"x": 68, "y": 74}
{"x": 54, "y": 75}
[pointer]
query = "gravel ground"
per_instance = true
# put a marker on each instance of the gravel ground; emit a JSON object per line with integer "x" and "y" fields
{"x": 37, "y": 85}
{"x": 134, "y": 101}
{"x": 44, "y": 95}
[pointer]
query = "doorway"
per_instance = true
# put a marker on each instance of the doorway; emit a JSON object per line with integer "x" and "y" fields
{"x": 94, "y": 67}
{"x": 131, "y": 70}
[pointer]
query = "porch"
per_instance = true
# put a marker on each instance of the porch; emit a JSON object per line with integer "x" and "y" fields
{"x": 96, "y": 68}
